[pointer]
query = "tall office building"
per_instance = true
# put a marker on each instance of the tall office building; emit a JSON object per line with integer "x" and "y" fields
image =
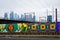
{"x": 5, "y": 16}
{"x": 34, "y": 17}
{"x": 22, "y": 17}
{"x": 16, "y": 16}
{"x": 25, "y": 16}
{"x": 49, "y": 18}
{"x": 12, "y": 15}
{"x": 30, "y": 17}
{"x": 26, "y": 19}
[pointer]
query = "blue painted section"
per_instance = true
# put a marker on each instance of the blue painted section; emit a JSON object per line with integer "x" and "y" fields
{"x": 58, "y": 27}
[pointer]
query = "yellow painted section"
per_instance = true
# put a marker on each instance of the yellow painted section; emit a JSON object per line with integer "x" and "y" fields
{"x": 53, "y": 27}
{"x": 20, "y": 25}
{"x": 25, "y": 25}
{"x": 2, "y": 26}
{"x": 41, "y": 27}
{"x": 33, "y": 27}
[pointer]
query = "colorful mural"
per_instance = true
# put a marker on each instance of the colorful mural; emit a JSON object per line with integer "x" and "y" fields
{"x": 25, "y": 27}
{"x": 11, "y": 27}
{"x": 52, "y": 26}
{"x": 33, "y": 27}
{"x": 42, "y": 27}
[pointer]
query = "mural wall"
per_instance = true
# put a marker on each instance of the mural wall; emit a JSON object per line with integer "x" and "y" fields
{"x": 30, "y": 27}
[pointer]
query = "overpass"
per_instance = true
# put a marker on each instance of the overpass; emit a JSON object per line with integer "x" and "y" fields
{"x": 4, "y": 21}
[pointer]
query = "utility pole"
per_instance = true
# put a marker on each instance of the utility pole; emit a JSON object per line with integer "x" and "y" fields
{"x": 56, "y": 14}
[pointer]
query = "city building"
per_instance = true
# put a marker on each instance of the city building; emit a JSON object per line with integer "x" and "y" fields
{"x": 30, "y": 16}
{"x": 34, "y": 17}
{"x": 6, "y": 16}
{"x": 22, "y": 17}
{"x": 12, "y": 15}
{"x": 49, "y": 18}
{"x": 16, "y": 16}
{"x": 42, "y": 19}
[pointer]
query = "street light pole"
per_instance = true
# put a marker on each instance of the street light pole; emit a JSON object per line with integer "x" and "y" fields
{"x": 56, "y": 14}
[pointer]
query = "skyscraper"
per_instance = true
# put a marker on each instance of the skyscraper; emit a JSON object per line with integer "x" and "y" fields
{"x": 22, "y": 17}
{"x": 16, "y": 16}
{"x": 5, "y": 16}
{"x": 33, "y": 16}
{"x": 26, "y": 16}
{"x": 30, "y": 17}
{"x": 12, "y": 15}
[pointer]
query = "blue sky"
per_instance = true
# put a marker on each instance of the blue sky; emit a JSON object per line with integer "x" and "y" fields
{"x": 21, "y": 6}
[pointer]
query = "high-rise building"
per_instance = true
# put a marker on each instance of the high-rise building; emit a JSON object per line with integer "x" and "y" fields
{"x": 30, "y": 17}
{"x": 26, "y": 19}
{"x": 34, "y": 17}
{"x": 25, "y": 16}
{"x": 22, "y": 17}
{"x": 16, "y": 17}
{"x": 12, "y": 15}
{"x": 49, "y": 18}
{"x": 5, "y": 16}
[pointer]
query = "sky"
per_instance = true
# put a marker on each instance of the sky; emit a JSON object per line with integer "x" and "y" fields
{"x": 40, "y": 7}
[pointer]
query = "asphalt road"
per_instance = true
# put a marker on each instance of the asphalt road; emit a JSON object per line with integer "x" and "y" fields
{"x": 16, "y": 38}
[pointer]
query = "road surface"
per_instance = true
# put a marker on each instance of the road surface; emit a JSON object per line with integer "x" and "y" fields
{"x": 17, "y": 38}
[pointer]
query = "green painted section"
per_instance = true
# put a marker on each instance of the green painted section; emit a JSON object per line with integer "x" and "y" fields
{"x": 14, "y": 25}
{"x": 22, "y": 29}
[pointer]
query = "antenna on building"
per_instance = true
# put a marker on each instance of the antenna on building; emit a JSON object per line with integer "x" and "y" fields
{"x": 53, "y": 13}
{"x": 47, "y": 12}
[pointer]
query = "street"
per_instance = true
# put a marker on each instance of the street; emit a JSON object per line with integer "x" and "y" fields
{"x": 17, "y": 38}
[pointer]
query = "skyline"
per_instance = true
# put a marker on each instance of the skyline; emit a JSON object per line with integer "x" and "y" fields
{"x": 9, "y": 16}
{"x": 22, "y": 6}
{"x": 23, "y": 17}
{"x": 27, "y": 17}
